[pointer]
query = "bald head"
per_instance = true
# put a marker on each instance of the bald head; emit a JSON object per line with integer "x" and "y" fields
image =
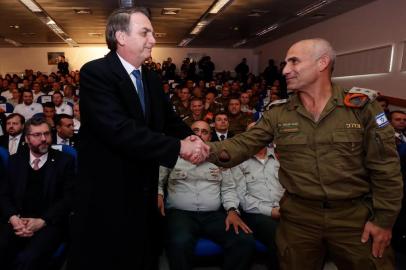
{"x": 317, "y": 48}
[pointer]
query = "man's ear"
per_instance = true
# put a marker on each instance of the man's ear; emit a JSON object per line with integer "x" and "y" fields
{"x": 323, "y": 62}
{"x": 120, "y": 37}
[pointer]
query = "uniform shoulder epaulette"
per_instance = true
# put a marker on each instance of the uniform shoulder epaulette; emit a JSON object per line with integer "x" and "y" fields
{"x": 275, "y": 103}
{"x": 184, "y": 117}
{"x": 357, "y": 97}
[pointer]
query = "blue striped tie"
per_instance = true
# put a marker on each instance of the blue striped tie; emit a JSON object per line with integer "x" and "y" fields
{"x": 140, "y": 87}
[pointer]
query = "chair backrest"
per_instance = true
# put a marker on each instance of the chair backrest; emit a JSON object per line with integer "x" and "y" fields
{"x": 4, "y": 156}
{"x": 67, "y": 149}
{"x": 44, "y": 99}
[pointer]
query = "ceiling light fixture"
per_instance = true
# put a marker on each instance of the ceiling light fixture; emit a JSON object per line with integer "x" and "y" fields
{"x": 267, "y": 30}
{"x": 185, "y": 42}
{"x": 219, "y": 5}
{"x": 199, "y": 27}
{"x": 13, "y": 42}
{"x": 239, "y": 43}
{"x": 313, "y": 7}
{"x": 31, "y": 5}
{"x": 170, "y": 11}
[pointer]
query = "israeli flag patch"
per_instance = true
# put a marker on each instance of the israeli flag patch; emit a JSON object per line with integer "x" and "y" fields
{"x": 381, "y": 120}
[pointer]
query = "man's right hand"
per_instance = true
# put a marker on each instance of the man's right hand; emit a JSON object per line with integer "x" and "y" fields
{"x": 161, "y": 205}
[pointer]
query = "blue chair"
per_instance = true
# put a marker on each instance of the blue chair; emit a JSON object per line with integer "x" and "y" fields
{"x": 8, "y": 107}
{"x": 205, "y": 247}
{"x": 69, "y": 150}
{"x": 4, "y": 156}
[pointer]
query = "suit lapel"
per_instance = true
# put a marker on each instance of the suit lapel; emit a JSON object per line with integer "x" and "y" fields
{"x": 50, "y": 170}
{"x": 126, "y": 87}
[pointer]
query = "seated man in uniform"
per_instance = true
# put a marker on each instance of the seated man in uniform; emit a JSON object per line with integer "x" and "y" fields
{"x": 34, "y": 201}
{"x": 259, "y": 192}
{"x": 196, "y": 194}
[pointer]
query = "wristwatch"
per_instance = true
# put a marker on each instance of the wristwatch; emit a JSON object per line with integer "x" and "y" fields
{"x": 233, "y": 209}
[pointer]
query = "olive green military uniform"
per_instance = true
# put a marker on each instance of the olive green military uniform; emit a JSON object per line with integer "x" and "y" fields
{"x": 223, "y": 101}
{"x": 180, "y": 109}
{"x": 239, "y": 122}
{"x": 339, "y": 172}
{"x": 216, "y": 108}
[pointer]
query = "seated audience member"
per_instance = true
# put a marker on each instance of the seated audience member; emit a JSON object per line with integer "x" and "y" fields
{"x": 13, "y": 140}
{"x": 224, "y": 97}
{"x": 197, "y": 112}
{"x": 238, "y": 119}
{"x": 60, "y": 105}
{"x": 68, "y": 94}
{"x": 195, "y": 195}
{"x": 34, "y": 201}
{"x": 49, "y": 113}
{"x": 56, "y": 87}
{"x": 211, "y": 105}
{"x": 221, "y": 125}
{"x": 64, "y": 131}
{"x": 259, "y": 192}
{"x": 245, "y": 103}
{"x": 16, "y": 98}
{"x": 36, "y": 90}
{"x": 384, "y": 104}
{"x": 182, "y": 106}
{"x": 76, "y": 118}
{"x": 398, "y": 121}
{"x": 28, "y": 108}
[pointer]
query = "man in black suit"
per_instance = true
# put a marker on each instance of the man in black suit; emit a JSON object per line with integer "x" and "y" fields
{"x": 34, "y": 201}
{"x": 128, "y": 129}
{"x": 221, "y": 124}
{"x": 64, "y": 133}
{"x": 13, "y": 140}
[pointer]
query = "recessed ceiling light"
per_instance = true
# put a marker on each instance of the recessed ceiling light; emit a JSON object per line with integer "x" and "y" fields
{"x": 170, "y": 11}
{"x": 95, "y": 34}
{"x": 160, "y": 35}
{"x": 82, "y": 11}
{"x": 15, "y": 26}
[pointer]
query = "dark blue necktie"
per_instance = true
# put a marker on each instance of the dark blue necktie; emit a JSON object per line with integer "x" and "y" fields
{"x": 140, "y": 87}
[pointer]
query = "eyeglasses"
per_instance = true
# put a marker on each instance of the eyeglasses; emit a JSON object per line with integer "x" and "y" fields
{"x": 38, "y": 135}
{"x": 203, "y": 131}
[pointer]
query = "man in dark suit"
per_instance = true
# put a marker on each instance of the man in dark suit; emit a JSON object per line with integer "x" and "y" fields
{"x": 64, "y": 133}
{"x": 13, "y": 140}
{"x": 221, "y": 124}
{"x": 128, "y": 129}
{"x": 34, "y": 201}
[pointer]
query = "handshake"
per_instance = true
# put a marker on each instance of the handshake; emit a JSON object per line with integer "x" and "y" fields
{"x": 194, "y": 150}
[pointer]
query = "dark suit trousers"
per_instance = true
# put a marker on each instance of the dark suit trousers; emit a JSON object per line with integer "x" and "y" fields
{"x": 264, "y": 228}
{"x": 186, "y": 227}
{"x": 30, "y": 253}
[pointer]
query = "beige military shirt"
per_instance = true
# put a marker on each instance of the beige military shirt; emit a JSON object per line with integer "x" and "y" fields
{"x": 347, "y": 153}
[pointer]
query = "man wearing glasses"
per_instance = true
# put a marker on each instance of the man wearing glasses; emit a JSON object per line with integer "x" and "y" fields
{"x": 34, "y": 201}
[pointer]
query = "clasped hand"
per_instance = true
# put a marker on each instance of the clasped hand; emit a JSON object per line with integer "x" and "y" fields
{"x": 26, "y": 227}
{"x": 194, "y": 149}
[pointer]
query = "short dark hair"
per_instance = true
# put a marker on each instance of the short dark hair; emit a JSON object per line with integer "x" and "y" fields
{"x": 58, "y": 118}
{"x": 392, "y": 112}
{"x": 119, "y": 20}
{"x": 48, "y": 105}
{"x": 57, "y": 93}
{"x": 35, "y": 121}
{"x": 12, "y": 115}
{"x": 220, "y": 113}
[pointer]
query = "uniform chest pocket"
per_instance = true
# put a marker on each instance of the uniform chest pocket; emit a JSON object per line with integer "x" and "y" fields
{"x": 214, "y": 175}
{"x": 178, "y": 174}
{"x": 290, "y": 140}
{"x": 348, "y": 143}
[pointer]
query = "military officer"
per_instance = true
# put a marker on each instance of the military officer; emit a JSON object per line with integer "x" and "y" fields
{"x": 338, "y": 164}
{"x": 238, "y": 120}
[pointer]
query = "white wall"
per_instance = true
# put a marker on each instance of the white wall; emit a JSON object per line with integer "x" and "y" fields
{"x": 16, "y": 60}
{"x": 380, "y": 23}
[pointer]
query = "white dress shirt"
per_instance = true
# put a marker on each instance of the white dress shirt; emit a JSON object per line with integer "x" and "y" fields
{"x": 42, "y": 160}
{"x": 64, "y": 108}
{"x": 59, "y": 140}
{"x": 130, "y": 68}
{"x": 13, "y": 143}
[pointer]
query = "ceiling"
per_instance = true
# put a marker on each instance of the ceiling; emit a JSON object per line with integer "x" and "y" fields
{"x": 238, "y": 21}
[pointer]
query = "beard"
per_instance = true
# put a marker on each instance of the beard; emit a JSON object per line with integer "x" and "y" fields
{"x": 41, "y": 148}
